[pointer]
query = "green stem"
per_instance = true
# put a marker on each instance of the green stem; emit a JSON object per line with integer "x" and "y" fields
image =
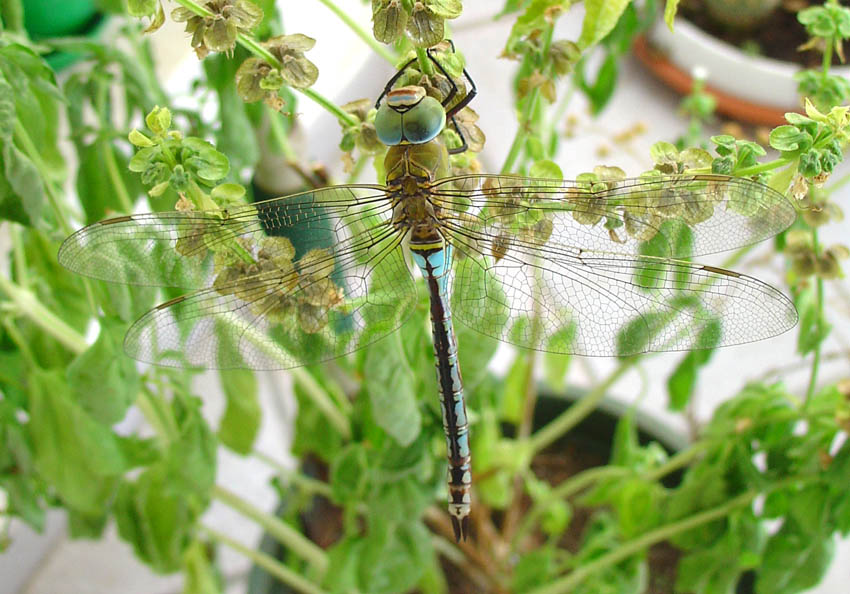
{"x": 567, "y": 488}
{"x": 19, "y": 340}
{"x": 270, "y": 564}
{"x": 522, "y": 131}
{"x": 32, "y": 152}
{"x": 425, "y": 66}
{"x": 29, "y": 306}
{"x": 282, "y": 532}
{"x": 304, "y": 483}
{"x": 19, "y": 256}
{"x": 158, "y": 415}
{"x": 813, "y": 378}
{"x": 279, "y": 134}
{"x": 826, "y": 62}
{"x": 114, "y": 173}
{"x": 636, "y": 545}
{"x": 578, "y": 411}
{"x": 105, "y": 148}
{"x": 378, "y": 48}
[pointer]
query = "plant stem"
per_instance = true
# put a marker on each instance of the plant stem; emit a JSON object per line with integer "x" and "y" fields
{"x": 578, "y": 411}
{"x": 636, "y": 545}
{"x": 378, "y": 48}
{"x": 32, "y": 152}
{"x": 29, "y": 306}
{"x": 254, "y": 46}
{"x": 19, "y": 256}
{"x": 279, "y": 134}
{"x": 522, "y": 131}
{"x": 298, "y": 479}
{"x": 270, "y": 564}
{"x": 280, "y": 531}
{"x": 425, "y": 65}
{"x": 813, "y": 378}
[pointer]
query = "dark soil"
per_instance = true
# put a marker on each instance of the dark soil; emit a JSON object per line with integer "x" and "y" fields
{"x": 777, "y": 37}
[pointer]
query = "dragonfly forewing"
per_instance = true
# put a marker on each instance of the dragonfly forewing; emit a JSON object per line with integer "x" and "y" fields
{"x": 720, "y": 212}
{"x": 179, "y": 248}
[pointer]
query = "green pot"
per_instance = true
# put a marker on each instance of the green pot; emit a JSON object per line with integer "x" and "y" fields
{"x": 48, "y": 18}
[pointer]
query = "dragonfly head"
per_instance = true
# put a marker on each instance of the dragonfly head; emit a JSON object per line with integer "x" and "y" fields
{"x": 409, "y": 116}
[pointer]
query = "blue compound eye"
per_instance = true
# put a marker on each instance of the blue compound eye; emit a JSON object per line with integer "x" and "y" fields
{"x": 424, "y": 121}
{"x": 388, "y": 125}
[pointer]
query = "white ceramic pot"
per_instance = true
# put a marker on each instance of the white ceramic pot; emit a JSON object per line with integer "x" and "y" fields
{"x": 752, "y": 88}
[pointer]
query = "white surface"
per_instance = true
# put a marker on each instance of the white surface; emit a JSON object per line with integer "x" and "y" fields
{"x": 84, "y": 567}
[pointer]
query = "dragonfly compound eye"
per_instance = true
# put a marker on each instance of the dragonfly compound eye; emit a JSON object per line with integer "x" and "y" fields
{"x": 409, "y": 116}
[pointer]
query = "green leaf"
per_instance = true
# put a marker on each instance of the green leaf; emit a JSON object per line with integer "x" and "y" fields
{"x": 636, "y": 336}
{"x": 448, "y": 9}
{"x": 793, "y": 560}
{"x": 82, "y": 525}
{"x": 600, "y": 17}
{"x": 25, "y": 197}
{"x": 7, "y": 110}
{"x": 391, "y": 383}
{"x": 475, "y": 350}
{"x": 393, "y": 560}
{"x": 813, "y": 327}
{"x": 389, "y": 20}
{"x": 240, "y": 423}
{"x": 789, "y": 138}
{"x": 716, "y": 569}
{"x": 191, "y": 457}
{"x": 513, "y": 397}
{"x": 670, "y": 9}
{"x": 545, "y": 169}
{"x": 141, "y": 8}
{"x": 157, "y": 520}
{"x": 681, "y": 383}
{"x": 104, "y": 380}
{"x": 599, "y": 92}
{"x": 534, "y": 568}
{"x": 79, "y": 457}
{"x": 349, "y": 475}
{"x": 96, "y": 189}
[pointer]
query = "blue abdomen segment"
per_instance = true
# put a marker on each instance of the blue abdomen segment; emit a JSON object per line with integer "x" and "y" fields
{"x": 435, "y": 264}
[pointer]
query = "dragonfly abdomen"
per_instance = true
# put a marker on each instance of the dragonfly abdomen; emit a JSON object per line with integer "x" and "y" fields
{"x": 435, "y": 263}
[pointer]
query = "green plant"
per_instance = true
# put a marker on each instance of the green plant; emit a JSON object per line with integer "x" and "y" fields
{"x": 373, "y": 418}
{"x": 741, "y": 13}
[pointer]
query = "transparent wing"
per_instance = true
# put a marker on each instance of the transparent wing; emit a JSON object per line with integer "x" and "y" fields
{"x": 282, "y": 283}
{"x": 284, "y": 314}
{"x": 178, "y": 249}
{"x": 719, "y": 212}
{"x": 554, "y": 277}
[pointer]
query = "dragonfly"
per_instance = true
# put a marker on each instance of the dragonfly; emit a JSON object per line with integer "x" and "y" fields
{"x": 548, "y": 264}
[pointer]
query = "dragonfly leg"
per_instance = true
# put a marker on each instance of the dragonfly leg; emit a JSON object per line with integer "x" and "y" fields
{"x": 458, "y": 149}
